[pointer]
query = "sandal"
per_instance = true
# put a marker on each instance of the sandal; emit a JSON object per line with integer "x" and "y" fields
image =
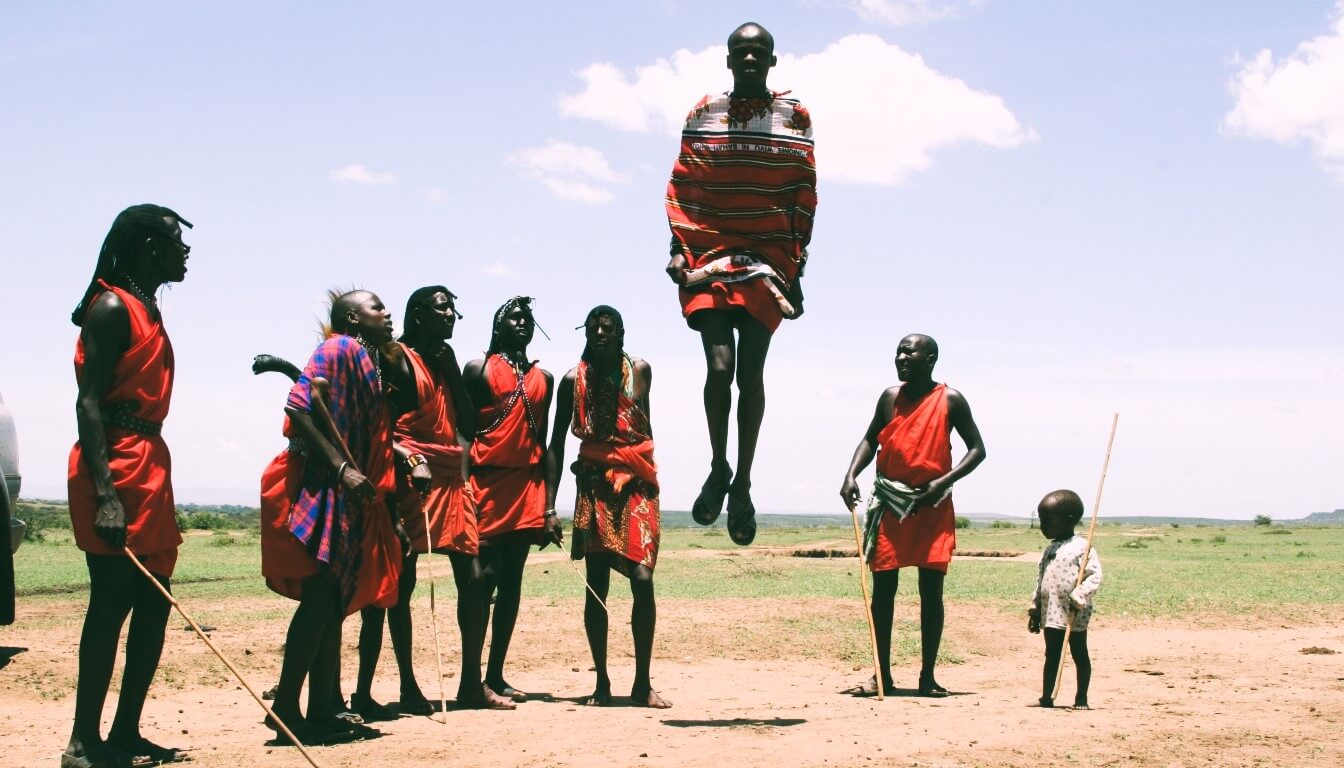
{"x": 416, "y": 705}
{"x": 741, "y": 519}
{"x": 709, "y": 504}
{"x": 372, "y": 712}
{"x": 153, "y": 754}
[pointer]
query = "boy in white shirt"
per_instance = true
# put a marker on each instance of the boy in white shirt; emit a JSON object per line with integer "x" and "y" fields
{"x": 1056, "y": 602}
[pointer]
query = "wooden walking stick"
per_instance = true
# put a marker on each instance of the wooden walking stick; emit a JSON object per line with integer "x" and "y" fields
{"x": 433, "y": 613}
{"x": 867, "y": 604}
{"x": 1087, "y": 551}
{"x": 272, "y": 717}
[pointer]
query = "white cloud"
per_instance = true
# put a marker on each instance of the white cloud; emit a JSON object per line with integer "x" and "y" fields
{"x": 436, "y": 195}
{"x": 1297, "y": 98}
{"x": 901, "y": 13}
{"x": 358, "y": 173}
{"x": 569, "y": 171}
{"x": 879, "y": 111}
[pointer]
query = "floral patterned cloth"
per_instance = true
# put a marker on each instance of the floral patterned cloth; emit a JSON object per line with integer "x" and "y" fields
{"x": 616, "y": 509}
{"x": 1055, "y": 596}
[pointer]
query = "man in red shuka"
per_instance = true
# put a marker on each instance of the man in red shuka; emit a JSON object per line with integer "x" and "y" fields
{"x": 120, "y": 485}
{"x": 910, "y": 516}
{"x": 740, "y": 204}
{"x": 513, "y": 398}
{"x": 616, "y": 521}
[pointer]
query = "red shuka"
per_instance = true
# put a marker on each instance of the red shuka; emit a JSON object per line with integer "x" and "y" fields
{"x": 431, "y": 431}
{"x": 285, "y": 563}
{"x": 140, "y": 464}
{"x": 915, "y": 448}
{"x": 507, "y": 478}
{"x": 745, "y": 181}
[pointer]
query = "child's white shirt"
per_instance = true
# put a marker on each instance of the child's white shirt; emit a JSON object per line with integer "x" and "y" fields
{"x": 1055, "y": 596}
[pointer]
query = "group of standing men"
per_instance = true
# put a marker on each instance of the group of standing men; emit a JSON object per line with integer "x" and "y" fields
{"x": 397, "y": 450}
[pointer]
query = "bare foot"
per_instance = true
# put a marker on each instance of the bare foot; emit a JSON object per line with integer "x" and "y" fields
{"x": 649, "y": 698}
{"x": 601, "y": 697}
{"x": 869, "y": 687}
{"x": 138, "y": 746}
{"x": 100, "y": 755}
{"x": 507, "y": 691}
{"x": 483, "y": 698}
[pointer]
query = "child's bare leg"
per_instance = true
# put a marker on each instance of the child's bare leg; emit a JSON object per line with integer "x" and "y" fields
{"x": 1054, "y": 646}
{"x": 1078, "y": 649}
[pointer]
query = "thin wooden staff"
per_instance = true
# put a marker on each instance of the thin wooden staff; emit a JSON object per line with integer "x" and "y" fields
{"x": 584, "y": 576}
{"x": 270, "y": 714}
{"x": 867, "y": 604}
{"x": 1087, "y": 551}
{"x": 433, "y": 612}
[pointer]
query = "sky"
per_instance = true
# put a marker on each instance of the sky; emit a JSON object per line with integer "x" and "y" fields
{"x": 1094, "y": 208}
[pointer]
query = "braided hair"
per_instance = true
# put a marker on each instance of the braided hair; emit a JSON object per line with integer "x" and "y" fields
{"x": 523, "y": 302}
{"x": 604, "y": 391}
{"x": 126, "y": 241}
{"x": 419, "y": 300}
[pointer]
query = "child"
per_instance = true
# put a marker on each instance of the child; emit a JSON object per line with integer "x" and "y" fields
{"x": 1056, "y": 601}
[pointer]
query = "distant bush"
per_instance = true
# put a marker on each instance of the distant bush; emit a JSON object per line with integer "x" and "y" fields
{"x": 1134, "y": 544}
{"x": 1175, "y": 525}
{"x": 1278, "y": 530}
{"x": 1003, "y": 524}
{"x": 1263, "y": 520}
{"x": 963, "y": 522}
{"x": 42, "y": 519}
{"x": 1219, "y": 539}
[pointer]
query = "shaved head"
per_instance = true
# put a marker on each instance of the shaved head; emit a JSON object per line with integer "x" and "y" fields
{"x": 751, "y": 31}
{"x": 923, "y": 342}
{"x": 343, "y": 304}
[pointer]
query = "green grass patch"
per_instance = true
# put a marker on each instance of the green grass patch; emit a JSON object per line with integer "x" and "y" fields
{"x": 1145, "y": 574}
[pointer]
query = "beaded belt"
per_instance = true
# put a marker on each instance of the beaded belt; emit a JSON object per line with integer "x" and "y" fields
{"x": 121, "y": 416}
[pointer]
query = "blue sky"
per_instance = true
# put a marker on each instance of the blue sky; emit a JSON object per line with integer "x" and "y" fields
{"x": 1126, "y": 207}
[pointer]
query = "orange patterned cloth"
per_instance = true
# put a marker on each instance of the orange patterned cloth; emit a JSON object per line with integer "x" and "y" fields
{"x": 142, "y": 385}
{"x": 616, "y": 508}
{"x": 915, "y": 448}
{"x": 431, "y": 431}
{"x": 507, "y": 478}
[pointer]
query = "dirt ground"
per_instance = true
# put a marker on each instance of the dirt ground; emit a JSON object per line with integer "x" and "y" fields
{"x": 1212, "y": 691}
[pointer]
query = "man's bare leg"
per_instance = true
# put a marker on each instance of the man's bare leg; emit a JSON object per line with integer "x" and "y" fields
{"x": 598, "y": 573}
{"x": 471, "y": 691}
{"x": 643, "y": 620}
{"x": 411, "y": 701}
{"x": 319, "y": 604}
{"x": 111, "y": 587}
{"x": 884, "y": 610}
{"x": 752, "y": 349}
{"x": 930, "y": 628}
{"x": 716, "y": 336}
{"x": 144, "y": 647}
{"x": 371, "y": 621}
{"x": 510, "y": 557}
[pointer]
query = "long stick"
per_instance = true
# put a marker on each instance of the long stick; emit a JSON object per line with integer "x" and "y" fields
{"x": 584, "y": 576}
{"x": 433, "y": 613}
{"x": 272, "y": 717}
{"x": 1087, "y": 551}
{"x": 867, "y": 604}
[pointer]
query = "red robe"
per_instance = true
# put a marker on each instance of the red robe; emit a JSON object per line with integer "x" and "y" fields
{"x": 915, "y": 448}
{"x": 616, "y": 508}
{"x": 354, "y": 541}
{"x": 745, "y": 181}
{"x": 431, "y": 430}
{"x": 140, "y": 464}
{"x": 285, "y": 563}
{"x": 507, "y": 479}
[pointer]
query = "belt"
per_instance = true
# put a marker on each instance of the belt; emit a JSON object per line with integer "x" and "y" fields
{"x": 121, "y": 416}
